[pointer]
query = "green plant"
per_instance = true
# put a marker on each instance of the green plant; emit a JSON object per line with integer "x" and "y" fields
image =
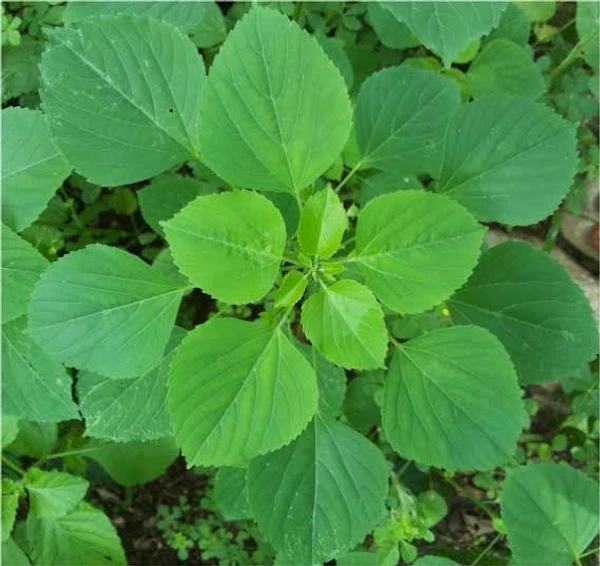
{"x": 335, "y": 234}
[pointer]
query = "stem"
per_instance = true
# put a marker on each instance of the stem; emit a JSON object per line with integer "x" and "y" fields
{"x": 10, "y": 464}
{"x": 466, "y": 493}
{"x": 577, "y": 561}
{"x": 62, "y": 454}
{"x": 348, "y": 176}
{"x": 403, "y": 469}
{"x": 589, "y": 553}
{"x": 572, "y": 56}
{"x": 487, "y": 549}
{"x": 553, "y": 232}
{"x": 69, "y": 203}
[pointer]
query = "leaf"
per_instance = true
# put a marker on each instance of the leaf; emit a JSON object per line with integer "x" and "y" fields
{"x": 129, "y": 409}
{"x": 34, "y": 386}
{"x": 319, "y": 496}
{"x": 401, "y": 115}
{"x": 291, "y": 290}
{"x": 95, "y": 306}
{"x": 126, "y": 88}
{"x": 445, "y": 27}
{"x": 508, "y": 159}
{"x": 431, "y": 560}
{"x": 22, "y": 266}
{"x": 504, "y": 67}
{"x": 538, "y": 11}
{"x": 238, "y": 390}
{"x": 550, "y": 512}
{"x": 34, "y": 440}
{"x": 272, "y": 117}
{"x": 231, "y": 494}
{"x": 534, "y": 308}
{"x": 360, "y": 406}
{"x": 586, "y": 22}
{"x": 345, "y": 323}
{"x": 20, "y": 67}
{"x": 11, "y": 491}
{"x": 83, "y": 536}
{"x": 165, "y": 267}
{"x": 10, "y": 430}
{"x": 32, "y": 167}
{"x": 451, "y": 400}
{"x": 384, "y": 182}
{"x": 212, "y": 29}
{"x": 240, "y": 237}
{"x": 322, "y": 224}
{"x": 54, "y": 494}
{"x": 391, "y": 32}
{"x": 514, "y": 25}
{"x": 334, "y": 49}
{"x": 133, "y": 463}
{"x": 167, "y": 195}
{"x": 415, "y": 248}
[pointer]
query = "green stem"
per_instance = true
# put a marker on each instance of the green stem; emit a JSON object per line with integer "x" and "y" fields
{"x": 466, "y": 493}
{"x": 571, "y": 57}
{"x": 63, "y": 454}
{"x": 10, "y": 464}
{"x": 589, "y": 553}
{"x": 348, "y": 176}
{"x": 403, "y": 469}
{"x": 69, "y": 203}
{"x": 577, "y": 561}
{"x": 487, "y": 549}
{"x": 553, "y": 232}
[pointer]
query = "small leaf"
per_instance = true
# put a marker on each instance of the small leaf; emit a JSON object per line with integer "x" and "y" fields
{"x": 345, "y": 323}
{"x": 231, "y": 494}
{"x": 451, "y": 400}
{"x": 360, "y": 407}
{"x": 54, "y": 494}
{"x": 291, "y": 290}
{"x": 322, "y": 224}
{"x": 238, "y": 390}
{"x": 239, "y": 236}
{"x": 95, "y": 306}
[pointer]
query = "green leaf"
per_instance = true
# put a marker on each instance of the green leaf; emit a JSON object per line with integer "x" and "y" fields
{"x": 10, "y": 430}
{"x": 514, "y": 25}
{"x": 231, "y": 494}
{"x": 32, "y": 167}
{"x": 239, "y": 236}
{"x": 34, "y": 385}
{"x": 12, "y": 554}
{"x": 54, "y": 494}
{"x": 22, "y": 266}
{"x": 431, "y": 560}
{"x": 535, "y": 309}
{"x": 272, "y": 117}
{"x": 165, "y": 266}
{"x": 319, "y": 496}
{"x": 550, "y": 512}
{"x": 20, "y": 68}
{"x": 83, "y": 536}
{"x": 291, "y": 290}
{"x": 345, "y": 323}
{"x": 508, "y": 159}
{"x": 586, "y": 21}
{"x": 451, "y": 400}
{"x": 133, "y": 463}
{"x": 334, "y": 49}
{"x": 446, "y": 27}
{"x": 392, "y": 33}
{"x": 95, "y": 306}
{"x": 211, "y": 30}
{"x": 360, "y": 407}
{"x": 126, "y": 88}
{"x": 167, "y": 195}
{"x": 401, "y": 115}
{"x": 538, "y": 11}
{"x": 129, "y": 409}
{"x": 11, "y": 491}
{"x": 322, "y": 224}
{"x": 384, "y": 182}
{"x": 238, "y": 390}
{"x": 34, "y": 440}
{"x": 504, "y": 67}
{"x": 415, "y": 248}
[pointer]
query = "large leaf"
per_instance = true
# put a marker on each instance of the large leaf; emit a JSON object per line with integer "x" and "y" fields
{"x": 401, "y": 115}
{"x": 530, "y": 303}
{"x": 22, "y": 266}
{"x": 275, "y": 112}
{"x": 448, "y": 27}
{"x": 415, "y": 248}
{"x": 586, "y": 21}
{"x": 451, "y": 400}
{"x": 550, "y": 512}
{"x": 508, "y": 159}
{"x": 34, "y": 386}
{"x": 231, "y": 494}
{"x": 238, "y": 390}
{"x": 505, "y": 67}
{"x": 128, "y": 409}
{"x": 321, "y": 495}
{"x": 32, "y": 167}
{"x": 104, "y": 310}
{"x": 389, "y": 30}
{"x": 229, "y": 244}
{"x": 83, "y": 536}
{"x": 125, "y": 88}
{"x": 345, "y": 323}
{"x": 54, "y": 494}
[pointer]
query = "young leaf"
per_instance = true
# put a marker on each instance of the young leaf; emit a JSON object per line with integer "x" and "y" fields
{"x": 11, "y": 491}
{"x": 415, "y": 248}
{"x": 95, "y": 306}
{"x": 128, "y": 409}
{"x": 22, "y": 266}
{"x": 508, "y": 159}
{"x": 83, "y": 536}
{"x": 533, "y": 306}
{"x": 322, "y": 224}
{"x": 34, "y": 385}
{"x": 275, "y": 112}
{"x": 126, "y": 88}
{"x": 550, "y": 512}
{"x": 451, "y": 400}
{"x": 504, "y": 67}
{"x": 54, "y": 494}
{"x": 238, "y": 390}
{"x": 447, "y": 28}
{"x": 321, "y": 495}
{"x": 291, "y": 290}
{"x": 231, "y": 494}
{"x": 401, "y": 115}
{"x": 32, "y": 167}
{"x": 345, "y": 323}
{"x": 229, "y": 244}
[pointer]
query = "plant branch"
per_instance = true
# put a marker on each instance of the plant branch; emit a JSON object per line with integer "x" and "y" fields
{"x": 348, "y": 176}
{"x": 487, "y": 549}
{"x": 466, "y": 493}
{"x": 10, "y": 464}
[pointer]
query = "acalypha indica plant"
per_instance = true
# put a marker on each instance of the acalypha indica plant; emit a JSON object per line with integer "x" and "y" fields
{"x": 127, "y": 97}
